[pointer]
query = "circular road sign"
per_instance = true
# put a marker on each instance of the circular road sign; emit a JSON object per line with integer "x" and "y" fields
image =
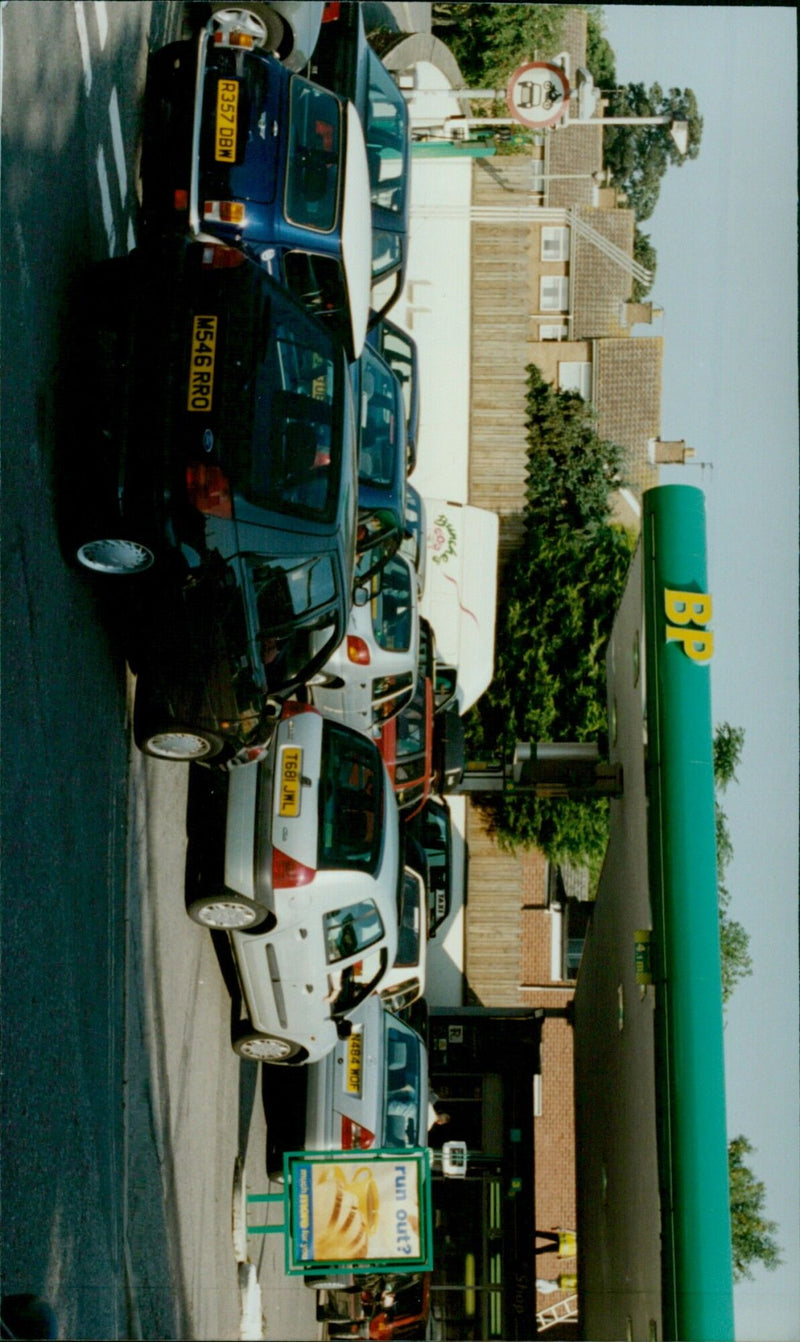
{"x": 537, "y": 94}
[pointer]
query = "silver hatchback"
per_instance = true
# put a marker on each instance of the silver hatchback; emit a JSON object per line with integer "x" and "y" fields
{"x": 313, "y": 870}
{"x": 372, "y": 1089}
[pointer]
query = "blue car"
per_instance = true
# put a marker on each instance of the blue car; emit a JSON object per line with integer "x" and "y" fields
{"x": 241, "y": 151}
{"x": 399, "y": 349}
{"x": 380, "y": 429}
{"x": 219, "y": 434}
{"x": 344, "y": 62}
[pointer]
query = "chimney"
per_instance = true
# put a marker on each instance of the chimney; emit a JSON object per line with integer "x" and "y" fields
{"x": 646, "y": 313}
{"x": 669, "y": 454}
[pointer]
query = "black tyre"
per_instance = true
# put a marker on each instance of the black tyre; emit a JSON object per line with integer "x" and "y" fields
{"x": 226, "y": 911}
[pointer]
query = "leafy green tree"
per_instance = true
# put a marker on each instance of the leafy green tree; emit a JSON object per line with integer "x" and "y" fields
{"x": 728, "y": 746}
{"x": 645, "y": 253}
{"x": 600, "y": 58}
{"x": 752, "y": 1235}
{"x": 563, "y": 587}
{"x": 489, "y": 41}
{"x": 639, "y": 156}
{"x": 736, "y": 962}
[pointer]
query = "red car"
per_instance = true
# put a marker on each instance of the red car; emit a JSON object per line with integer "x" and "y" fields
{"x": 406, "y": 742}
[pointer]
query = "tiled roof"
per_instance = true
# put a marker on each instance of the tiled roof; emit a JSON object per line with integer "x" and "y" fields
{"x": 627, "y": 393}
{"x": 573, "y": 149}
{"x": 600, "y": 285}
{"x": 575, "y": 29}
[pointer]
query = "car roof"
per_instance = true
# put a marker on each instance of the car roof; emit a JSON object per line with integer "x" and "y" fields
{"x": 357, "y": 229}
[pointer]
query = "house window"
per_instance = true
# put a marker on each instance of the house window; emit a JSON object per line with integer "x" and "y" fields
{"x": 576, "y": 377}
{"x": 554, "y": 293}
{"x": 555, "y": 244}
{"x": 553, "y": 332}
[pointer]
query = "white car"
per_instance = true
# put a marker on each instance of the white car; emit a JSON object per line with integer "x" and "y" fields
{"x": 371, "y": 676}
{"x": 312, "y": 873}
{"x": 405, "y": 982}
{"x": 372, "y": 1088}
{"x": 287, "y": 28}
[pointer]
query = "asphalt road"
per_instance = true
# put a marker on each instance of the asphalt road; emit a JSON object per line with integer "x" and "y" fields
{"x": 123, "y": 1106}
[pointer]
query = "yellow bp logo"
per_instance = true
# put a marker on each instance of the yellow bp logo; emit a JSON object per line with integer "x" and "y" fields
{"x": 688, "y": 616}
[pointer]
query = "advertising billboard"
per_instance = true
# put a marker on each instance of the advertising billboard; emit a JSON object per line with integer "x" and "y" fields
{"x": 359, "y": 1210}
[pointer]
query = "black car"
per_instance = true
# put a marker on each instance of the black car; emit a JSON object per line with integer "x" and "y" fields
{"x": 344, "y": 61}
{"x": 221, "y": 429}
{"x": 432, "y": 829}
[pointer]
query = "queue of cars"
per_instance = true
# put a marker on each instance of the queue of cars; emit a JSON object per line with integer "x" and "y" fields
{"x": 252, "y": 421}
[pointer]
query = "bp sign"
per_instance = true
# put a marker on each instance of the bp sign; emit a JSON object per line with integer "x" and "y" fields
{"x": 538, "y": 94}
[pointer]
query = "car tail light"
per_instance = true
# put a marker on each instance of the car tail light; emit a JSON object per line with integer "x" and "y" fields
{"x": 287, "y": 872}
{"x": 293, "y": 706}
{"x": 233, "y": 39}
{"x": 354, "y": 1137}
{"x": 209, "y": 489}
{"x": 332, "y": 11}
{"x": 226, "y": 211}
{"x": 221, "y": 258}
{"x": 180, "y": 199}
{"x": 357, "y": 650}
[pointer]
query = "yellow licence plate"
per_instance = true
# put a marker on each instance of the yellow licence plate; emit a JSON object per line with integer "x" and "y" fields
{"x": 227, "y": 114}
{"x": 201, "y": 364}
{"x": 354, "y": 1054}
{"x": 291, "y": 768}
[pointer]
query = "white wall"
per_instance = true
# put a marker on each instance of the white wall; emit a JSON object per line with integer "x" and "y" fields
{"x": 434, "y": 308}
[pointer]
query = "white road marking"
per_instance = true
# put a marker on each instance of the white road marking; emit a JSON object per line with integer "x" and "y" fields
{"x": 105, "y": 201}
{"x": 83, "y": 40}
{"x": 131, "y": 235}
{"x": 118, "y": 145}
{"x": 102, "y": 21}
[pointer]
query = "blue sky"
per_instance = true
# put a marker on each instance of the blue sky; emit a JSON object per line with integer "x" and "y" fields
{"x": 725, "y": 233}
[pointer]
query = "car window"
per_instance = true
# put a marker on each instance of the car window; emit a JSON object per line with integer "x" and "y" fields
{"x": 351, "y": 929}
{"x": 408, "y": 922}
{"x": 297, "y": 605}
{"x": 313, "y": 171}
{"x": 317, "y": 282}
{"x": 402, "y": 1118}
{"x": 350, "y": 801}
{"x": 391, "y": 606}
{"x": 386, "y": 135}
{"x": 291, "y": 459}
{"x": 411, "y": 725}
{"x": 387, "y": 252}
{"x": 378, "y": 443}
